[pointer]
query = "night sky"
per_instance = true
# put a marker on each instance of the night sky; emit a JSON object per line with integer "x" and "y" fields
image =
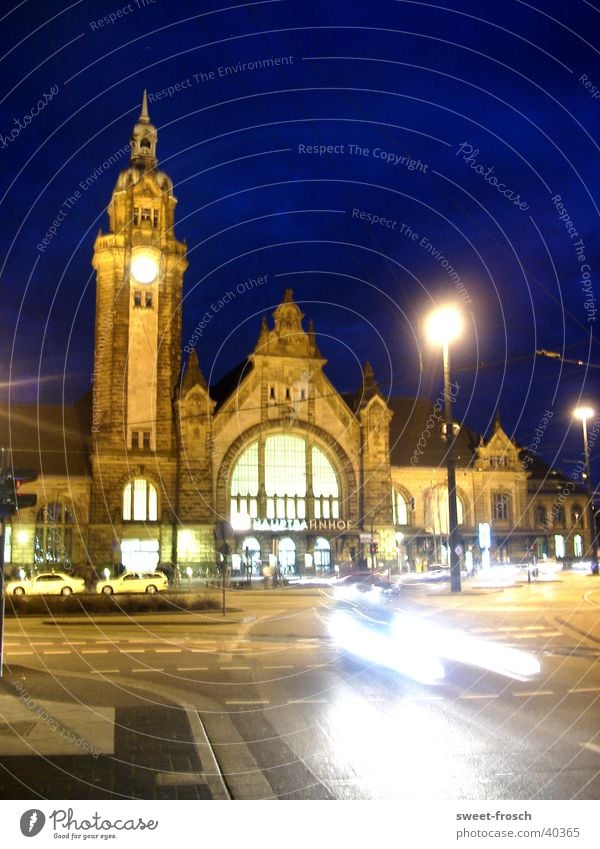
{"x": 460, "y": 122}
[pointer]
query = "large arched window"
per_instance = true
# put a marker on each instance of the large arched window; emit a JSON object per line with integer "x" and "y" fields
{"x": 436, "y": 509}
{"x": 140, "y": 501}
{"x": 53, "y": 542}
{"x": 283, "y": 478}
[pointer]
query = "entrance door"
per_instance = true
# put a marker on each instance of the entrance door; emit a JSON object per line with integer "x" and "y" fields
{"x": 139, "y": 555}
{"x": 286, "y": 554}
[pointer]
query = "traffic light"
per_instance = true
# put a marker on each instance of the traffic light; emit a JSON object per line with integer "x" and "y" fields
{"x": 10, "y": 483}
{"x": 373, "y": 548}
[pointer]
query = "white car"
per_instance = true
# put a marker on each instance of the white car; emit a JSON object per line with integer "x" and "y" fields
{"x": 46, "y": 583}
{"x": 134, "y": 582}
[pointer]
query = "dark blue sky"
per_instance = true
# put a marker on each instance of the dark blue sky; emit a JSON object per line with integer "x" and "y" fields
{"x": 483, "y": 97}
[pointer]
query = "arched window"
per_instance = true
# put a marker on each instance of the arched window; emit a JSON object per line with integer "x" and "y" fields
{"x": 541, "y": 516}
{"x": 560, "y": 520}
{"x": 576, "y": 515}
{"x": 140, "y": 501}
{"x": 501, "y": 505}
{"x": 400, "y": 508}
{"x": 53, "y": 541}
{"x": 577, "y": 545}
{"x": 322, "y": 555}
{"x": 278, "y": 485}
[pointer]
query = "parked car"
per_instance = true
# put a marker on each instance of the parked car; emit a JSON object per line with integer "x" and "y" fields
{"x": 46, "y": 583}
{"x": 134, "y": 582}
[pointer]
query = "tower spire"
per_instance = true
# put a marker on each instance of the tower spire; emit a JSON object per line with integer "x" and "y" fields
{"x": 144, "y": 116}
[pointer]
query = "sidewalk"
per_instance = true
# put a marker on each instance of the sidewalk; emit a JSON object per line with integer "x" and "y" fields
{"x": 70, "y": 744}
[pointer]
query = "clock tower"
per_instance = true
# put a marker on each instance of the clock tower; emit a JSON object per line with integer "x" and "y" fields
{"x": 137, "y": 357}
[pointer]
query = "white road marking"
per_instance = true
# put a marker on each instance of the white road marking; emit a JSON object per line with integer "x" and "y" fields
{"x": 58, "y": 651}
{"x": 592, "y": 747}
{"x": 478, "y": 696}
{"x": 104, "y": 671}
{"x": 525, "y": 693}
{"x": 94, "y": 651}
{"x": 147, "y": 670}
{"x": 15, "y": 653}
{"x": 192, "y": 669}
{"x": 131, "y": 651}
{"x": 279, "y": 666}
{"x": 584, "y": 690}
{"x": 229, "y": 668}
{"x": 168, "y": 651}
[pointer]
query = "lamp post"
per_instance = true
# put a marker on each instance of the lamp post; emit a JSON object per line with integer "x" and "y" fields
{"x": 583, "y": 414}
{"x": 444, "y": 326}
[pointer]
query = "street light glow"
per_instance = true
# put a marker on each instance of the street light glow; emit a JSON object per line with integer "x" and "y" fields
{"x": 444, "y": 325}
{"x": 583, "y": 413}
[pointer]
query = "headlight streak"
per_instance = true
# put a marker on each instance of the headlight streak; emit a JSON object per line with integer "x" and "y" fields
{"x": 416, "y": 648}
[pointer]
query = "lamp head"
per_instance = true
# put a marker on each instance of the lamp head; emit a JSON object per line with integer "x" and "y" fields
{"x": 444, "y": 325}
{"x": 583, "y": 413}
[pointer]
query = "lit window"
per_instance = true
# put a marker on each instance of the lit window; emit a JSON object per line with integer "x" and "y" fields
{"x": 146, "y": 214}
{"x": 559, "y": 545}
{"x": 8, "y": 543}
{"x": 140, "y": 501}
{"x": 576, "y": 513}
{"x": 577, "y": 545}
{"x": 399, "y": 508}
{"x": 53, "y": 542}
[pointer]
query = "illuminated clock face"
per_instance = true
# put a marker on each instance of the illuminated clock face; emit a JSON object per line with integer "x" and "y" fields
{"x": 144, "y": 268}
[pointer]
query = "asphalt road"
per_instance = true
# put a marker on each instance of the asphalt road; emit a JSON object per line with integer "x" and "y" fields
{"x": 289, "y": 715}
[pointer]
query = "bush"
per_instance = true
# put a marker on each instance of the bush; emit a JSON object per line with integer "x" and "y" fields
{"x": 96, "y": 603}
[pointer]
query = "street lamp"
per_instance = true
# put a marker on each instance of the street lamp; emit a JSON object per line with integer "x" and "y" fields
{"x": 583, "y": 414}
{"x": 443, "y": 326}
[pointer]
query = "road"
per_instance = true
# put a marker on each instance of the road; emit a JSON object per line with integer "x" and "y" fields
{"x": 290, "y": 716}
